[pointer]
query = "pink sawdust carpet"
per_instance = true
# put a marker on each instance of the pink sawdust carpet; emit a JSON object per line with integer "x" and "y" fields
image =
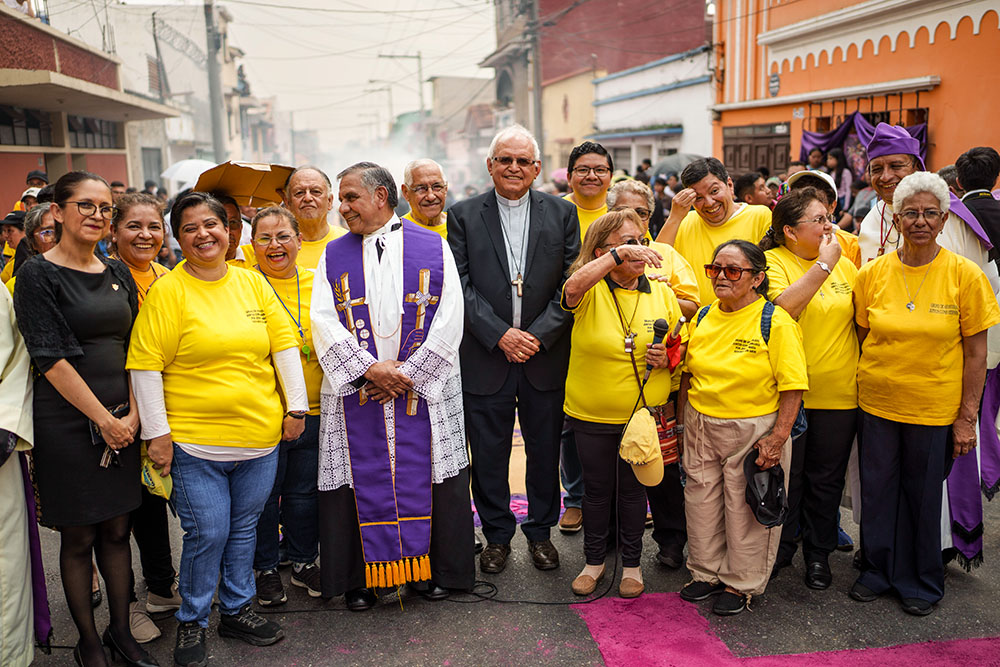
{"x": 662, "y": 630}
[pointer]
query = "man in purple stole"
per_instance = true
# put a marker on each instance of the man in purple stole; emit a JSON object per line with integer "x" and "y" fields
{"x": 387, "y": 317}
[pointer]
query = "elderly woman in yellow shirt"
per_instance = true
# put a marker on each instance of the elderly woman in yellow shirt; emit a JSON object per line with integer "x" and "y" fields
{"x": 615, "y": 305}
{"x": 276, "y": 243}
{"x": 922, "y": 314}
{"x": 746, "y": 371}
{"x": 811, "y": 279}
{"x": 205, "y": 350}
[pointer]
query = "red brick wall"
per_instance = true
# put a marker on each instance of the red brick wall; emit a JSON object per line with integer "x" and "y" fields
{"x": 81, "y": 64}
{"x": 110, "y": 167}
{"x": 15, "y": 167}
{"x": 621, "y": 33}
{"x": 24, "y": 47}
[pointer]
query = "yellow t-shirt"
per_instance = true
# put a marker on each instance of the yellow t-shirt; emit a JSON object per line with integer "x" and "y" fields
{"x": 249, "y": 259}
{"x": 441, "y": 229}
{"x": 697, "y": 240}
{"x": 601, "y": 385}
{"x": 682, "y": 278}
{"x": 10, "y": 285}
{"x": 296, "y": 299}
{"x": 311, "y": 251}
{"x": 911, "y": 362}
{"x": 145, "y": 279}
{"x": 849, "y": 246}
{"x": 213, "y": 342}
{"x": 8, "y": 271}
{"x": 586, "y": 215}
{"x": 734, "y": 373}
{"x": 828, "y": 334}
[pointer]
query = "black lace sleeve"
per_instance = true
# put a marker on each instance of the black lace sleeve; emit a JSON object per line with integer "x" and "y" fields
{"x": 46, "y": 333}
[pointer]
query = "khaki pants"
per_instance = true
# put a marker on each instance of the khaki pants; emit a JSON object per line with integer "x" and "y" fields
{"x": 725, "y": 541}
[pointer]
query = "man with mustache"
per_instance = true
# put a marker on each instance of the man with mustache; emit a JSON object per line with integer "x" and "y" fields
{"x": 309, "y": 196}
{"x": 425, "y": 189}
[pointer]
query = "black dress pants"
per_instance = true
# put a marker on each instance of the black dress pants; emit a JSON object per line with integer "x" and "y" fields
{"x": 489, "y": 422}
{"x": 152, "y": 536}
{"x": 609, "y": 485}
{"x": 816, "y": 484}
{"x": 902, "y": 470}
{"x": 453, "y": 552}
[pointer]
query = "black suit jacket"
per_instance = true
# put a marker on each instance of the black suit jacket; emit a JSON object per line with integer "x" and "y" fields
{"x": 477, "y": 242}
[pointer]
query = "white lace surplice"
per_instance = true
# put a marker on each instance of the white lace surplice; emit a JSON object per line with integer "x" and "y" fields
{"x": 433, "y": 367}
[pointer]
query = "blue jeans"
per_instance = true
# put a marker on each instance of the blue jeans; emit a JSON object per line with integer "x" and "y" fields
{"x": 295, "y": 485}
{"x": 218, "y": 503}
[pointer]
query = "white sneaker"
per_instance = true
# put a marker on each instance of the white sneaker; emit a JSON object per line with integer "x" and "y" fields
{"x": 142, "y": 626}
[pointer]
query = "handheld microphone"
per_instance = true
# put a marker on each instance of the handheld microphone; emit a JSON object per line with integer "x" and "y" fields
{"x": 660, "y": 329}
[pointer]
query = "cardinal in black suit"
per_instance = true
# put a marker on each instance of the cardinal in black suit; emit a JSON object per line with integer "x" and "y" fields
{"x": 512, "y": 247}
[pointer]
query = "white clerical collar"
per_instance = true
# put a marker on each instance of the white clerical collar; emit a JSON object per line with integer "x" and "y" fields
{"x": 513, "y": 203}
{"x": 391, "y": 225}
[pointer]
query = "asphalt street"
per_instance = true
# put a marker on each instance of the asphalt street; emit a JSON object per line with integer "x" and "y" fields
{"x": 530, "y": 620}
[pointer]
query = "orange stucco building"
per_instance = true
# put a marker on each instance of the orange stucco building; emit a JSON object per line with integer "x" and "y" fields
{"x": 784, "y": 66}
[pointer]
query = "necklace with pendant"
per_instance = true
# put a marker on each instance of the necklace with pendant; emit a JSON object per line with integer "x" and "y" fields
{"x": 910, "y": 306}
{"x": 305, "y": 349}
{"x": 821, "y": 294}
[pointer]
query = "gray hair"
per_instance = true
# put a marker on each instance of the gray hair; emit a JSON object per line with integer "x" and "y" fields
{"x": 416, "y": 164}
{"x": 374, "y": 176}
{"x": 33, "y": 220}
{"x": 309, "y": 167}
{"x": 512, "y": 132}
{"x": 918, "y": 182}
{"x": 631, "y": 187}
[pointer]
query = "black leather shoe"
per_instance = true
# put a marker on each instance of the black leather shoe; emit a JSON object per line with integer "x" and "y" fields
{"x": 144, "y": 659}
{"x": 494, "y": 558}
{"x": 360, "y": 599}
{"x": 479, "y": 545}
{"x": 916, "y": 606}
{"x": 818, "y": 575}
{"x": 428, "y": 590}
{"x": 672, "y": 556}
{"x": 862, "y": 593}
{"x": 544, "y": 554}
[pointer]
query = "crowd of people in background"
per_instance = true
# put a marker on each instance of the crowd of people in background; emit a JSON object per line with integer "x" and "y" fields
{"x": 326, "y": 397}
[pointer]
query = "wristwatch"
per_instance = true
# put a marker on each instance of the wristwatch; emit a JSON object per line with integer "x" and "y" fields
{"x": 614, "y": 254}
{"x": 297, "y": 414}
{"x": 825, "y": 267}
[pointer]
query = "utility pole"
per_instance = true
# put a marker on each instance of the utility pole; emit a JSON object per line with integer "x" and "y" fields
{"x": 215, "y": 101}
{"x": 420, "y": 88}
{"x": 535, "y": 29}
{"x": 388, "y": 92}
{"x": 291, "y": 125}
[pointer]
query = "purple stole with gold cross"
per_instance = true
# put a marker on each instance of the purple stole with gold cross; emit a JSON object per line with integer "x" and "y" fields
{"x": 392, "y": 490}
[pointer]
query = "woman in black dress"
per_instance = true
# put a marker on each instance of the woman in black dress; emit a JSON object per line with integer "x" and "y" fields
{"x": 75, "y": 311}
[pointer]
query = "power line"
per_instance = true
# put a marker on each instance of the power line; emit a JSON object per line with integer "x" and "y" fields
{"x": 369, "y": 10}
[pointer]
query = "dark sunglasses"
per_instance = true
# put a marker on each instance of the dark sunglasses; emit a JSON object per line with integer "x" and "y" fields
{"x": 731, "y": 272}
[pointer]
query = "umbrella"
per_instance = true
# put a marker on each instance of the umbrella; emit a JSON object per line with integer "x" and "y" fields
{"x": 249, "y": 183}
{"x": 672, "y": 163}
{"x": 186, "y": 170}
{"x": 560, "y": 174}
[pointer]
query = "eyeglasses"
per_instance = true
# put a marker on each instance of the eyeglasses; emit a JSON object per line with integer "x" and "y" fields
{"x": 642, "y": 241}
{"x": 507, "y": 160}
{"x": 46, "y": 234}
{"x": 731, "y": 272}
{"x": 600, "y": 172}
{"x": 930, "y": 215}
{"x": 643, "y": 213}
{"x": 284, "y": 239}
{"x": 821, "y": 219}
{"x": 88, "y": 209}
{"x": 436, "y": 188}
